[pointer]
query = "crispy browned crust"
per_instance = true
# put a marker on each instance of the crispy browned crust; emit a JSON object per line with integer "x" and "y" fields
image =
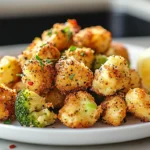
{"x": 42, "y": 78}
{"x": 34, "y": 43}
{"x": 47, "y": 51}
{"x": 72, "y": 76}
{"x": 59, "y": 38}
{"x": 114, "y": 110}
{"x": 55, "y": 97}
{"x": 114, "y": 75}
{"x": 9, "y": 67}
{"x": 138, "y": 104}
{"x": 95, "y": 37}
{"x": 118, "y": 49}
{"x": 85, "y": 55}
{"x": 29, "y": 51}
{"x": 7, "y": 102}
{"x": 135, "y": 79}
{"x": 75, "y": 113}
{"x": 18, "y": 86}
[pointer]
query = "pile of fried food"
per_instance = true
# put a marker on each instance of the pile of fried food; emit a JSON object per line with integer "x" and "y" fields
{"x": 76, "y": 76}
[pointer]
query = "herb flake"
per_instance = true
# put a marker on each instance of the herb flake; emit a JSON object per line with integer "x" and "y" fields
{"x": 19, "y": 75}
{"x": 72, "y": 48}
{"x": 40, "y": 61}
{"x": 69, "y": 33}
{"x": 49, "y": 33}
{"x": 7, "y": 121}
{"x": 65, "y": 30}
{"x": 82, "y": 53}
{"x": 91, "y": 105}
{"x": 50, "y": 61}
{"x": 43, "y": 44}
{"x": 56, "y": 32}
{"x": 71, "y": 76}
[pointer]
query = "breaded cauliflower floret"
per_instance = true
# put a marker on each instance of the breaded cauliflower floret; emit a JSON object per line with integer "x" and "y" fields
{"x": 9, "y": 68}
{"x": 47, "y": 51}
{"x": 38, "y": 75}
{"x": 61, "y": 34}
{"x": 7, "y": 102}
{"x": 79, "y": 111}
{"x": 19, "y": 86}
{"x": 114, "y": 110}
{"x": 72, "y": 75}
{"x": 55, "y": 97}
{"x": 118, "y": 49}
{"x": 85, "y": 55}
{"x": 28, "y": 52}
{"x": 138, "y": 103}
{"x": 26, "y": 55}
{"x": 135, "y": 81}
{"x": 95, "y": 37}
{"x": 112, "y": 76}
{"x": 36, "y": 42}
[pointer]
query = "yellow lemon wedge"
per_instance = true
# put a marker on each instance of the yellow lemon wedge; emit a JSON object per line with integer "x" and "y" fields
{"x": 143, "y": 68}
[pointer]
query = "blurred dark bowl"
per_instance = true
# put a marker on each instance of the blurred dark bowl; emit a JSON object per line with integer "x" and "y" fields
{"x": 23, "y": 30}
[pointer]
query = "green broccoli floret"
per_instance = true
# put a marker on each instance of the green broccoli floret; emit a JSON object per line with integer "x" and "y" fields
{"x": 31, "y": 110}
{"x": 99, "y": 60}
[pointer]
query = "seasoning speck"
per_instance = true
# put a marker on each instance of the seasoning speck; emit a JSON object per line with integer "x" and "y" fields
{"x": 7, "y": 121}
{"x": 71, "y": 76}
{"x": 43, "y": 44}
{"x": 82, "y": 53}
{"x": 69, "y": 33}
{"x": 49, "y": 33}
{"x": 12, "y": 146}
{"x": 72, "y": 48}
{"x": 30, "y": 83}
{"x": 19, "y": 75}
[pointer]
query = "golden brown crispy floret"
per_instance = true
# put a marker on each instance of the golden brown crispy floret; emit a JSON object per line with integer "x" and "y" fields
{"x": 28, "y": 52}
{"x": 26, "y": 55}
{"x": 55, "y": 97}
{"x": 138, "y": 103}
{"x": 47, "y": 51}
{"x": 118, "y": 49}
{"x": 38, "y": 76}
{"x": 19, "y": 86}
{"x": 95, "y": 37}
{"x": 79, "y": 111}
{"x": 37, "y": 41}
{"x": 135, "y": 81}
{"x": 44, "y": 50}
{"x": 61, "y": 34}
{"x": 112, "y": 76}
{"x": 72, "y": 75}
{"x": 9, "y": 68}
{"x": 114, "y": 110}
{"x": 7, "y": 102}
{"x": 85, "y": 55}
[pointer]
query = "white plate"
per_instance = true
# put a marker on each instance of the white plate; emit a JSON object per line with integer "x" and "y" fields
{"x": 58, "y": 134}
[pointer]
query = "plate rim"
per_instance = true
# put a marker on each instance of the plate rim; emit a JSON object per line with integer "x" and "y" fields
{"x": 69, "y": 131}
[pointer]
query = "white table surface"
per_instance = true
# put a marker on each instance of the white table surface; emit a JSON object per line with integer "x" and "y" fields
{"x": 143, "y": 144}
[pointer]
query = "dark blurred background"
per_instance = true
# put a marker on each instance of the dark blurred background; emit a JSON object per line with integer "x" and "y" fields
{"x": 21, "y": 26}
